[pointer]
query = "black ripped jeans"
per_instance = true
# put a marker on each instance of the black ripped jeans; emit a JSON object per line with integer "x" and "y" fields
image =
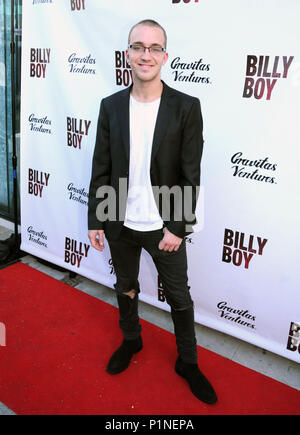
{"x": 172, "y": 270}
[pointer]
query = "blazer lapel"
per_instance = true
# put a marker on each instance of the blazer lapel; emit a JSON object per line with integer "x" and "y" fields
{"x": 123, "y": 113}
{"x": 162, "y": 120}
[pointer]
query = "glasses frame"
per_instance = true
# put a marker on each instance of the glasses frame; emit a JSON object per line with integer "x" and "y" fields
{"x": 162, "y": 49}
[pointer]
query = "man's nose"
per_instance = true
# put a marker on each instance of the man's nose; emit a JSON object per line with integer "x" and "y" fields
{"x": 146, "y": 54}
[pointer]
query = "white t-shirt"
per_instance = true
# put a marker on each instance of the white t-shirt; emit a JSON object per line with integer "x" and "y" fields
{"x": 141, "y": 210}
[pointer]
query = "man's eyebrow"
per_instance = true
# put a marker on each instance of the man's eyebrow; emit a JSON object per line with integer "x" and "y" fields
{"x": 141, "y": 43}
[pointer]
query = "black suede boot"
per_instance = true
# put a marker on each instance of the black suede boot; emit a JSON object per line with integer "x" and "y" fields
{"x": 184, "y": 328}
{"x": 120, "y": 360}
{"x": 128, "y": 316}
{"x": 198, "y": 383}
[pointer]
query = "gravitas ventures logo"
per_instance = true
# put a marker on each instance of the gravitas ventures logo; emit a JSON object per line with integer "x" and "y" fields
{"x": 253, "y": 169}
{"x": 78, "y": 194}
{"x": 236, "y": 315}
{"x": 195, "y": 71}
{"x": 38, "y": 237}
{"x": 40, "y": 124}
{"x": 82, "y": 64}
{"x": 36, "y": 2}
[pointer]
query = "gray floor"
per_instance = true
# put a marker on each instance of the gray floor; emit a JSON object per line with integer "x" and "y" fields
{"x": 253, "y": 357}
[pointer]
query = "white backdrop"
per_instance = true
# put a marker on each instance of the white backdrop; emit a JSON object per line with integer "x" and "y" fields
{"x": 241, "y": 59}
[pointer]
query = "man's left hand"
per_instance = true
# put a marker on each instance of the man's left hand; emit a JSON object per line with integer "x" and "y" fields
{"x": 169, "y": 242}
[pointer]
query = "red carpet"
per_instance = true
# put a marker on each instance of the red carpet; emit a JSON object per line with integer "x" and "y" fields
{"x": 58, "y": 341}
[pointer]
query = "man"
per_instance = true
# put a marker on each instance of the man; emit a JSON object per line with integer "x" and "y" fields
{"x": 150, "y": 135}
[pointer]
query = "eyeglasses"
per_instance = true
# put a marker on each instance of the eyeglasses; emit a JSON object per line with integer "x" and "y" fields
{"x": 153, "y": 49}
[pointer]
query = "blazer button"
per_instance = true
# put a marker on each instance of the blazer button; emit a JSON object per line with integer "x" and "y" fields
{"x": 126, "y": 173}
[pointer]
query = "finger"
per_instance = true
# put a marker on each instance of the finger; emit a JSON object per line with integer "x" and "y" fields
{"x": 95, "y": 241}
{"x": 101, "y": 240}
{"x": 161, "y": 245}
{"x": 96, "y": 245}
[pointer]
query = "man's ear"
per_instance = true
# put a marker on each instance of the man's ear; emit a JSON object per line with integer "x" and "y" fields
{"x": 127, "y": 56}
{"x": 165, "y": 58}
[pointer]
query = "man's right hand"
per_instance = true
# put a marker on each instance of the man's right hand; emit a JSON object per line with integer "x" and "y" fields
{"x": 96, "y": 239}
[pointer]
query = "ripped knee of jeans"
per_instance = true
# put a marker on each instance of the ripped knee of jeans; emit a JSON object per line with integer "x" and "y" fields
{"x": 131, "y": 294}
{"x": 127, "y": 288}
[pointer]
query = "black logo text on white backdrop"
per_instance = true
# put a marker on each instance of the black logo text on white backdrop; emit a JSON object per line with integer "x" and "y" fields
{"x": 263, "y": 73}
{"x": 245, "y": 257}
{"x": 239, "y": 248}
{"x": 39, "y": 61}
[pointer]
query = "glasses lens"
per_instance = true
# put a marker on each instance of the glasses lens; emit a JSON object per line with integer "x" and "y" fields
{"x": 154, "y": 49}
{"x": 137, "y": 48}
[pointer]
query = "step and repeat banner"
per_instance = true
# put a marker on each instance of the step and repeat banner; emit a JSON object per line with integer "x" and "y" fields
{"x": 242, "y": 60}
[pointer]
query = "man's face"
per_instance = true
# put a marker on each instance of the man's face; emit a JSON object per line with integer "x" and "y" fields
{"x": 146, "y": 66}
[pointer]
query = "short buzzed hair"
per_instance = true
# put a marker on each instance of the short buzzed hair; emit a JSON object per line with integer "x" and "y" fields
{"x": 150, "y": 23}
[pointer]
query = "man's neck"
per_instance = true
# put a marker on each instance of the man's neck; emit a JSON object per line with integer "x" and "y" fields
{"x": 146, "y": 92}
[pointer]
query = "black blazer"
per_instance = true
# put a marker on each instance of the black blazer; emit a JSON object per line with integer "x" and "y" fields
{"x": 175, "y": 159}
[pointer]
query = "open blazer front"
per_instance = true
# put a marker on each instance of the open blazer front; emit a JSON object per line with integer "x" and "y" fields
{"x": 175, "y": 158}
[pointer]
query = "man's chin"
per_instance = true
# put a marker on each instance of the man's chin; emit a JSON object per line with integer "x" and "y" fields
{"x": 144, "y": 77}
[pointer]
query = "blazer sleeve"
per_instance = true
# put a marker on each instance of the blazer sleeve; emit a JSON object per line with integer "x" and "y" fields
{"x": 191, "y": 154}
{"x": 101, "y": 167}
